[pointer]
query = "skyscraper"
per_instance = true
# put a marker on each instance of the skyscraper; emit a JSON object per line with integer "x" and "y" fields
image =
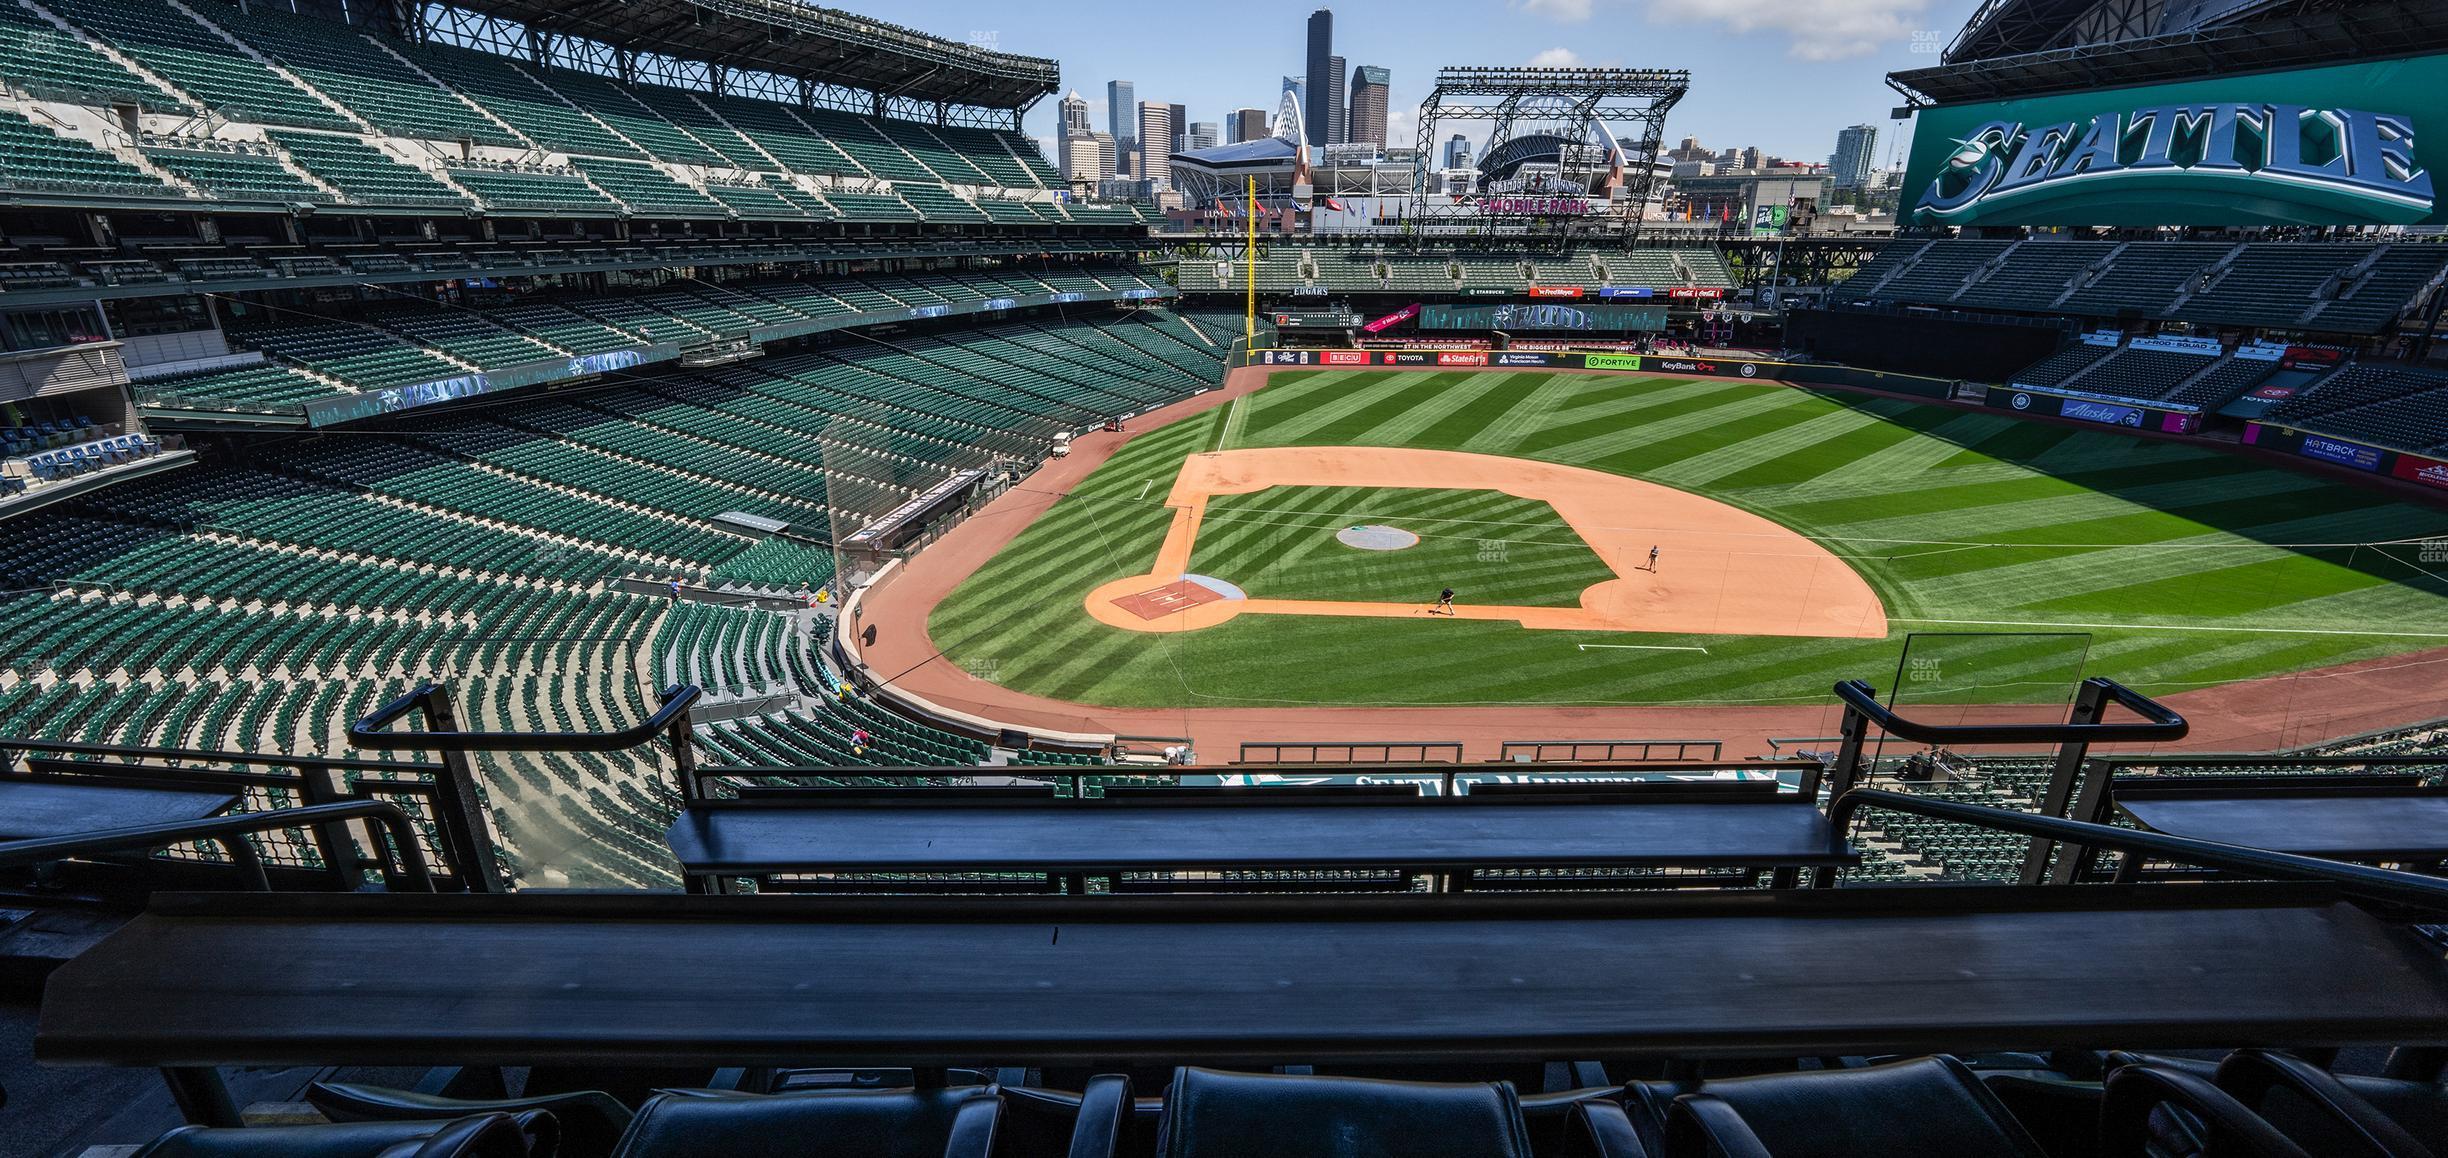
{"x": 1856, "y": 153}
{"x": 1458, "y": 152}
{"x": 1087, "y": 156}
{"x": 1074, "y": 114}
{"x": 1338, "y": 114}
{"x": 1200, "y": 135}
{"x": 1318, "y": 91}
{"x": 1180, "y": 123}
{"x": 1122, "y": 116}
{"x": 1155, "y": 143}
{"x": 1247, "y": 125}
{"x": 1371, "y": 88}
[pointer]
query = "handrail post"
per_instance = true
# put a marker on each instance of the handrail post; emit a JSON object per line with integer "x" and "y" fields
{"x": 338, "y": 844}
{"x": 1847, "y": 771}
{"x": 682, "y": 733}
{"x": 2090, "y": 703}
{"x": 2090, "y": 806}
{"x": 456, "y": 799}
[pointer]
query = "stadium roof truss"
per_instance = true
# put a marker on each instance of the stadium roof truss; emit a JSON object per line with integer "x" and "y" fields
{"x": 838, "y": 59}
{"x": 2253, "y": 38}
{"x": 1634, "y": 99}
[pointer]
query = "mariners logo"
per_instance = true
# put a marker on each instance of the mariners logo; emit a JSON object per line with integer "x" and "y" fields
{"x": 2252, "y": 163}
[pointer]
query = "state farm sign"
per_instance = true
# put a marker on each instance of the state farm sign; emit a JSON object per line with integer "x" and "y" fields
{"x": 1462, "y": 358}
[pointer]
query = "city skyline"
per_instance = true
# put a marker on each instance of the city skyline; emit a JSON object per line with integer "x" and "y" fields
{"x": 1785, "y": 81}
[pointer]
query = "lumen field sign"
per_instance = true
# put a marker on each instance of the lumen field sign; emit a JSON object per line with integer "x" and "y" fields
{"x": 2354, "y": 144}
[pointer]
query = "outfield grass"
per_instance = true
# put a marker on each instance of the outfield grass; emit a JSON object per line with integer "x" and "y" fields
{"x": 2183, "y": 566}
{"x": 1490, "y": 547}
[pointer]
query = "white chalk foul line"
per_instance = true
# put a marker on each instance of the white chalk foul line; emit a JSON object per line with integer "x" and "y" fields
{"x": 2185, "y": 627}
{"x": 1636, "y": 647}
{"x": 1143, "y": 490}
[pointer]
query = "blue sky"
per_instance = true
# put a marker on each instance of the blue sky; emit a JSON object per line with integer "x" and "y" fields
{"x": 1780, "y": 74}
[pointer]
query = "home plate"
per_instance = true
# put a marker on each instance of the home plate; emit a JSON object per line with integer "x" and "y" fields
{"x": 1179, "y": 596}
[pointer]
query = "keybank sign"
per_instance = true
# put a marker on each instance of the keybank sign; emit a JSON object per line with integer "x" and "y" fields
{"x": 2332, "y": 146}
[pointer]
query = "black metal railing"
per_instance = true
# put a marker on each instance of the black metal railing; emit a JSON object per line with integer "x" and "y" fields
{"x": 280, "y": 787}
{"x": 403, "y": 857}
{"x": 2361, "y": 880}
{"x": 2084, "y": 726}
{"x": 440, "y": 732}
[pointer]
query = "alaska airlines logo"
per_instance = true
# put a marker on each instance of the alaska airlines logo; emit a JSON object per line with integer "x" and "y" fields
{"x": 2225, "y": 163}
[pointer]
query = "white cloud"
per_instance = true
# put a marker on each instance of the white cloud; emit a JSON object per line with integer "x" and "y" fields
{"x": 1560, "y": 11}
{"x": 1402, "y": 125}
{"x": 1558, "y": 57}
{"x": 1814, "y": 29}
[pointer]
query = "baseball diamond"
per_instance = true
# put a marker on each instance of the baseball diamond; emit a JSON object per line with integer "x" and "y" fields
{"x": 2184, "y": 568}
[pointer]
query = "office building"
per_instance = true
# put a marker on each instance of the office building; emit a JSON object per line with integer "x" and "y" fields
{"x": 1371, "y": 89}
{"x": 1318, "y": 91}
{"x": 1856, "y": 152}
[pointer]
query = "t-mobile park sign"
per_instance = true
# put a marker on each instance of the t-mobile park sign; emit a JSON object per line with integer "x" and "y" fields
{"x": 1534, "y": 206}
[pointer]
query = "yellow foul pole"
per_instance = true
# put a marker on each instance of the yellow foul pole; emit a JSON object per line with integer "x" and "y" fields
{"x": 1249, "y": 317}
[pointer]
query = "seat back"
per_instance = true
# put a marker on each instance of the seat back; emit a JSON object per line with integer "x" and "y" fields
{"x": 529, "y": 1135}
{"x": 591, "y": 1120}
{"x": 1924, "y": 1108}
{"x": 954, "y": 1122}
{"x": 1213, "y": 1113}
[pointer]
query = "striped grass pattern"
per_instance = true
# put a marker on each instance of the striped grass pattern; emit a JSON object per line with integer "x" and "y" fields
{"x": 2174, "y": 566}
{"x": 1490, "y": 547}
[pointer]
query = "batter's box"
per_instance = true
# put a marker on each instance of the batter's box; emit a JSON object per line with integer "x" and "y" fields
{"x": 1177, "y": 597}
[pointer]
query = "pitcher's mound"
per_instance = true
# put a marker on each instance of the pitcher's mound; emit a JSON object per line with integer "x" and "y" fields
{"x": 1373, "y": 537}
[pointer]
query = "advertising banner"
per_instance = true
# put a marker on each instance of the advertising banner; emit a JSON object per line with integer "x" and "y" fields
{"x": 1313, "y": 321}
{"x": 351, "y": 407}
{"x": 1522, "y": 358}
{"x": 2310, "y": 357}
{"x": 1462, "y": 358}
{"x": 2427, "y": 471}
{"x": 1612, "y": 292}
{"x": 1394, "y": 319}
{"x": 1611, "y": 361}
{"x": 2350, "y": 144}
{"x": 2101, "y": 412}
{"x": 1702, "y": 292}
{"x": 1343, "y": 358}
{"x": 2342, "y": 453}
{"x": 2180, "y": 344}
{"x": 1555, "y": 291}
{"x": 1588, "y": 318}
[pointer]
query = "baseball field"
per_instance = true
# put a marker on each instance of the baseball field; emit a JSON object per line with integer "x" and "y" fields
{"x": 1290, "y": 548}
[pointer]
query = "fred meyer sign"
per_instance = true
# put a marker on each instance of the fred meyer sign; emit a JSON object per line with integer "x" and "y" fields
{"x": 2353, "y": 144}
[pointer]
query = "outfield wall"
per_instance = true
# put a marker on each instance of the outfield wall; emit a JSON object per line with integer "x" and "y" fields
{"x": 1713, "y": 366}
{"x": 2422, "y": 478}
{"x": 2331, "y": 451}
